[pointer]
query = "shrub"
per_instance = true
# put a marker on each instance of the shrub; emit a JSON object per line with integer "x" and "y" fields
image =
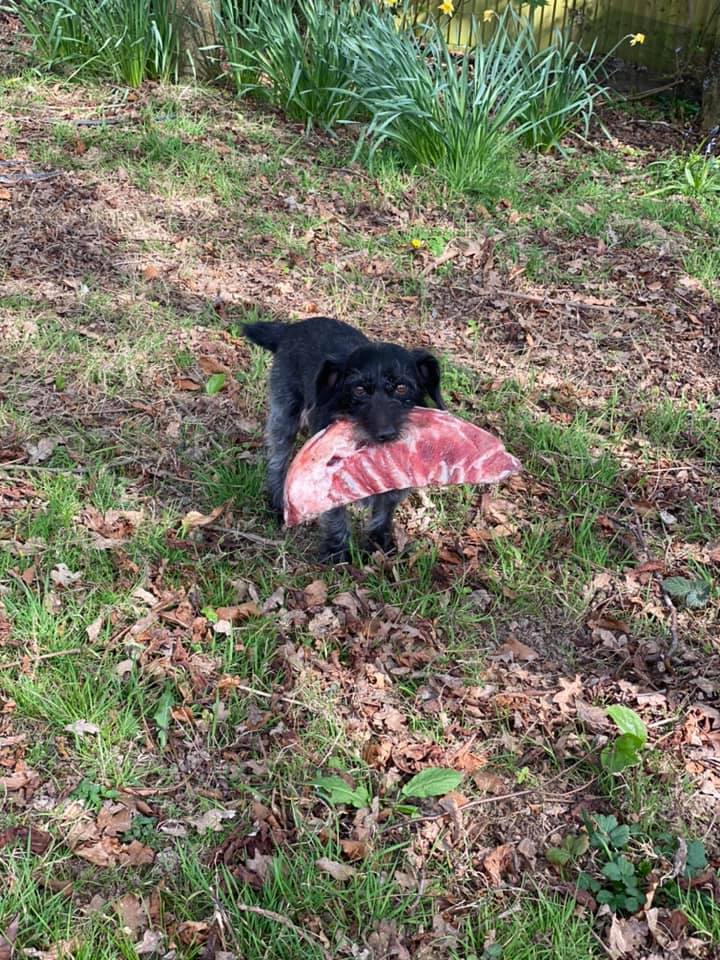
{"x": 460, "y": 114}
{"x": 293, "y": 55}
{"x": 127, "y": 41}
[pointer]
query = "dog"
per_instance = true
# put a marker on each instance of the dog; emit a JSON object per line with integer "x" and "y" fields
{"x": 325, "y": 370}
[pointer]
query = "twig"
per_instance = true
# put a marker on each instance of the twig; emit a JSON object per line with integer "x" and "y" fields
{"x": 312, "y": 938}
{"x": 244, "y": 535}
{"x": 43, "y": 656}
{"x": 269, "y": 696}
{"x": 551, "y": 301}
{"x": 23, "y": 467}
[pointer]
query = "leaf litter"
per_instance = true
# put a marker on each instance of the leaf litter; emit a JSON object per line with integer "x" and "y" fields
{"x": 361, "y": 653}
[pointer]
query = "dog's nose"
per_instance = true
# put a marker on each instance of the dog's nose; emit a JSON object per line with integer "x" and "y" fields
{"x": 386, "y": 434}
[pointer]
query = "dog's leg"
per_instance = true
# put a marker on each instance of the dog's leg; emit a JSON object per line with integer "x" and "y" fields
{"x": 335, "y": 531}
{"x": 282, "y": 427}
{"x": 379, "y": 534}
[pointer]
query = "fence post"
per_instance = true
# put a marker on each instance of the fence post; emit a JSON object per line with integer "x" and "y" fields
{"x": 711, "y": 90}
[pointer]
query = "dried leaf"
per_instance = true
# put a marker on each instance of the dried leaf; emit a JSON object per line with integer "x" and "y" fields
{"x": 316, "y": 593}
{"x": 8, "y": 938}
{"x": 82, "y": 727}
{"x": 498, "y": 862}
{"x": 338, "y": 871}
{"x": 514, "y": 649}
{"x": 195, "y": 519}
{"x": 62, "y": 576}
{"x": 211, "y": 820}
{"x": 93, "y": 631}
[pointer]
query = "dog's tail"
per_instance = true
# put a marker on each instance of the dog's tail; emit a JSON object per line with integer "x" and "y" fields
{"x": 264, "y": 334}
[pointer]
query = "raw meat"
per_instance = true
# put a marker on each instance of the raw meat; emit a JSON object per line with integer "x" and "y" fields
{"x": 335, "y": 467}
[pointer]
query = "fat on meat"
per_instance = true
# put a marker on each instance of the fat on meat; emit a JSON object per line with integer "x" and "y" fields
{"x": 337, "y": 466}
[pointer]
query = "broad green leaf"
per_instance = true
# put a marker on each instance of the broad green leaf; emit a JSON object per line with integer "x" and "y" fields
{"x": 696, "y": 859}
{"x": 337, "y": 791}
{"x": 698, "y": 597}
{"x": 558, "y": 855}
{"x": 628, "y": 721}
{"x": 432, "y": 782}
{"x": 621, "y": 754}
{"x": 215, "y": 383}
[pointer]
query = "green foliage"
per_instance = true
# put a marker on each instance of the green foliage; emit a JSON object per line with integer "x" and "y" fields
{"x": 163, "y": 715}
{"x": 625, "y": 750}
{"x": 461, "y": 115}
{"x": 215, "y": 383}
{"x": 693, "y": 594}
{"x": 93, "y": 794}
{"x": 335, "y": 790}
{"x": 695, "y": 175}
{"x": 293, "y": 55}
{"x": 571, "y": 848}
{"x": 432, "y": 782}
{"x": 127, "y": 41}
{"x": 605, "y": 833}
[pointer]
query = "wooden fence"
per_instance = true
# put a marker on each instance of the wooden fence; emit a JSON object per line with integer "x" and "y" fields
{"x": 679, "y": 34}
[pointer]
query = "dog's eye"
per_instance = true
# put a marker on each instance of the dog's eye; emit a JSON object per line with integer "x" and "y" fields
{"x": 359, "y": 391}
{"x": 402, "y": 389}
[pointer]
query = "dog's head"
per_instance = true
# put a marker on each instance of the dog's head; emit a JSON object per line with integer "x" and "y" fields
{"x": 377, "y": 386}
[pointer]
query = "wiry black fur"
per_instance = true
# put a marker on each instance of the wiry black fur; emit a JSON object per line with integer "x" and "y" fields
{"x": 325, "y": 370}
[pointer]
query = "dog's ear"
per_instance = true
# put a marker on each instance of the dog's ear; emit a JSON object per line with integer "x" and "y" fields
{"x": 428, "y": 371}
{"x": 329, "y": 382}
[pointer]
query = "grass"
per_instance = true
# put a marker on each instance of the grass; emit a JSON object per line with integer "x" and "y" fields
{"x": 407, "y": 664}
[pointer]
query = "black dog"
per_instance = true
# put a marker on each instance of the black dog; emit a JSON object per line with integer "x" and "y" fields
{"x": 325, "y": 370}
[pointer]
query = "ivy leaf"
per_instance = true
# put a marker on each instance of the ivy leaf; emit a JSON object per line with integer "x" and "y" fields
{"x": 558, "y": 856}
{"x": 432, "y": 782}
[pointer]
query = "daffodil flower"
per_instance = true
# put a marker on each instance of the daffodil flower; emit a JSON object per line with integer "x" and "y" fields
{"x": 488, "y": 15}
{"x": 447, "y": 6}
{"x": 637, "y": 38}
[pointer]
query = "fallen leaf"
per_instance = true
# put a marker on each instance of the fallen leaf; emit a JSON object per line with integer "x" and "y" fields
{"x": 62, "y": 576}
{"x": 114, "y": 819}
{"x": 40, "y": 451}
{"x": 136, "y": 854}
{"x": 212, "y": 365}
{"x": 241, "y": 611}
{"x": 132, "y": 914}
{"x": 195, "y": 519}
{"x": 498, "y": 862}
{"x": 81, "y": 727}
{"x": 316, "y": 593}
{"x": 152, "y": 942}
{"x": 39, "y": 840}
{"x": 151, "y": 272}
{"x": 211, "y": 820}
{"x": 192, "y": 932}
{"x": 354, "y": 849}
{"x": 626, "y": 937}
{"x": 8, "y": 938}
{"x": 185, "y": 383}
{"x": 514, "y": 649}
{"x": 338, "y": 871}
{"x": 93, "y": 631}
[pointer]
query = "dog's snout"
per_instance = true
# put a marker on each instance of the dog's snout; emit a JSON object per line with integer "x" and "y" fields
{"x": 386, "y": 434}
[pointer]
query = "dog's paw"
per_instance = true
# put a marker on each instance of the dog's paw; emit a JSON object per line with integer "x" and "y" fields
{"x": 380, "y": 540}
{"x": 331, "y": 554}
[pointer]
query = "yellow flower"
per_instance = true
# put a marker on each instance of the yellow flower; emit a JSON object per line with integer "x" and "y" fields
{"x": 488, "y": 15}
{"x": 637, "y": 38}
{"x": 415, "y": 243}
{"x": 447, "y": 6}
{"x": 391, "y": 3}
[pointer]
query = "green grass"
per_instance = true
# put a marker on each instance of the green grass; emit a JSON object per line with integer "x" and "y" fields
{"x": 244, "y": 718}
{"x": 535, "y": 928}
